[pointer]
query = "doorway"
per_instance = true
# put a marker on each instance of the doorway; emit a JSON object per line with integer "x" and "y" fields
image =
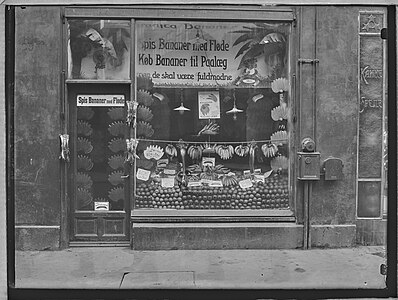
{"x": 100, "y": 202}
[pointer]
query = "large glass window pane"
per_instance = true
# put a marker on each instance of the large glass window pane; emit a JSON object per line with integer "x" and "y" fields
{"x": 212, "y": 115}
{"x": 99, "y": 49}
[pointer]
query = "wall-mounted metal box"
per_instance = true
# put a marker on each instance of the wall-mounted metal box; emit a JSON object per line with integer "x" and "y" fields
{"x": 309, "y": 165}
{"x": 333, "y": 168}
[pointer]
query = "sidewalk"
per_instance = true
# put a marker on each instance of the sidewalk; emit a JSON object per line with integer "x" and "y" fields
{"x": 124, "y": 268}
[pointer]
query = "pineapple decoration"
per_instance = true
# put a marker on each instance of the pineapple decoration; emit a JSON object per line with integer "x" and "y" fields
{"x": 275, "y": 149}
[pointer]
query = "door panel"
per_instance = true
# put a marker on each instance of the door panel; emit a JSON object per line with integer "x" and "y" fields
{"x": 100, "y": 203}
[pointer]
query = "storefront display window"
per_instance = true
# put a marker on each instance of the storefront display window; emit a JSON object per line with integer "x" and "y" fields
{"x": 99, "y": 49}
{"x": 212, "y": 115}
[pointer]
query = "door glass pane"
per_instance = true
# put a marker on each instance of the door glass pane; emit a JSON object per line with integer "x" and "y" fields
{"x": 99, "y": 49}
{"x": 100, "y": 150}
{"x": 223, "y": 90}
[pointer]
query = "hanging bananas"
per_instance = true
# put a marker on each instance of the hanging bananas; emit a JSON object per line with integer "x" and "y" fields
{"x": 170, "y": 150}
{"x": 269, "y": 150}
{"x": 195, "y": 152}
{"x": 242, "y": 150}
{"x": 225, "y": 151}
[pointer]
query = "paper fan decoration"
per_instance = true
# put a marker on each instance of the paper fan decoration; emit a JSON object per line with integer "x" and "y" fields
{"x": 279, "y": 113}
{"x": 144, "y": 113}
{"x": 84, "y": 197}
{"x": 116, "y": 194}
{"x": 144, "y": 97}
{"x": 279, "y": 163}
{"x": 117, "y": 144}
{"x": 116, "y": 113}
{"x": 144, "y": 129}
{"x": 280, "y": 85}
{"x": 85, "y": 113}
{"x": 84, "y": 128}
{"x": 279, "y": 138}
{"x": 83, "y": 181}
{"x": 84, "y": 163}
{"x": 84, "y": 145}
{"x": 116, "y": 161}
{"x": 117, "y": 128}
{"x": 115, "y": 177}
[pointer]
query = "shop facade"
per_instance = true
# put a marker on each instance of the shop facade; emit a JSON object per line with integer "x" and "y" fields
{"x": 211, "y": 127}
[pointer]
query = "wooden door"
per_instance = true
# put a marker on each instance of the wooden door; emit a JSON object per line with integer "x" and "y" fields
{"x": 100, "y": 202}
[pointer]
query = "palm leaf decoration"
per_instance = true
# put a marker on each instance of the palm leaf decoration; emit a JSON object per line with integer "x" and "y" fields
{"x": 116, "y": 113}
{"x": 84, "y": 145}
{"x": 115, "y": 177}
{"x": 84, "y": 163}
{"x": 116, "y": 194}
{"x": 116, "y": 161}
{"x": 260, "y": 39}
{"x": 83, "y": 181}
{"x": 85, "y": 113}
{"x": 84, "y": 197}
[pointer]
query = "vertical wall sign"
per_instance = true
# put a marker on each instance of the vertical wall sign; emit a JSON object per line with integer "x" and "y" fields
{"x": 371, "y": 91}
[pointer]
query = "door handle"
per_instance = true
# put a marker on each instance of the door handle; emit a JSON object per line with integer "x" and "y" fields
{"x": 124, "y": 176}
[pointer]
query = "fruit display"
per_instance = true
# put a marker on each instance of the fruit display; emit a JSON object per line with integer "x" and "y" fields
{"x": 271, "y": 194}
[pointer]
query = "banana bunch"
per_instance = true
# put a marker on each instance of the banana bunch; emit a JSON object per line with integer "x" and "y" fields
{"x": 225, "y": 151}
{"x": 242, "y": 150}
{"x": 269, "y": 150}
{"x": 170, "y": 150}
{"x": 195, "y": 152}
{"x": 210, "y": 129}
{"x": 194, "y": 168}
{"x": 229, "y": 180}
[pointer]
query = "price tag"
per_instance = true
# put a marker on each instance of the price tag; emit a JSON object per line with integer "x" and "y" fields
{"x": 205, "y": 181}
{"x": 162, "y": 163}
{"x": 194, "y": 183}
{"x": 143, "y": 174}
{"x": 246, "y": 173}
{"x": 216, "y": 183}
{"x": 257, "y": 171}
{"x": 246, "y": 183}
{"x": 101, "y": 205}
{"x": 167, "y": 182}
{"x": 208, "y": 161}
{"x": 169, "y": 171}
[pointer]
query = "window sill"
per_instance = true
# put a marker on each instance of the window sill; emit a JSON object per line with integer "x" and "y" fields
{"x": 173, "y": 215}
